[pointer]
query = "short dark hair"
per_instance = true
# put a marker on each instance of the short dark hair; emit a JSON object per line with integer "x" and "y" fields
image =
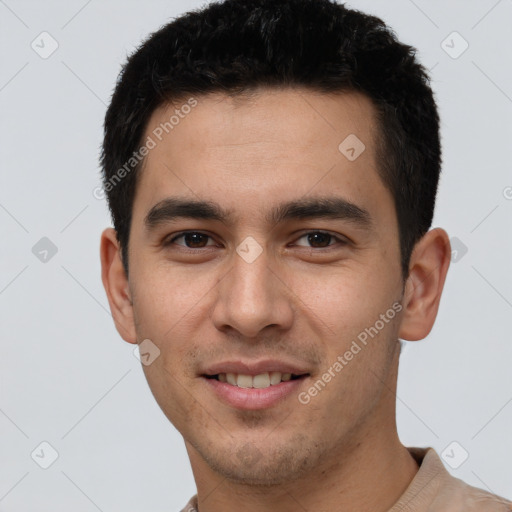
{"x": 235, "y": 46}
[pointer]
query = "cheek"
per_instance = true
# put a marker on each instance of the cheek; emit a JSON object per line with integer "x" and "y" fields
{"x": 172, "y": 307}
{"x": 344, "y": 317}
{"x": 166, "y": 296}
{"x": 167, "y": 305}
{"x": 341, "y": 302}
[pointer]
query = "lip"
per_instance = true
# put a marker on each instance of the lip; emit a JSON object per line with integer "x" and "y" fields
{"x": 255, "y": 367}
{"x": 252, "y": 399}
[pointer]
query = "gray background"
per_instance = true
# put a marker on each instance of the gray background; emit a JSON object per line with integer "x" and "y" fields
{"x": 68, "y": 379}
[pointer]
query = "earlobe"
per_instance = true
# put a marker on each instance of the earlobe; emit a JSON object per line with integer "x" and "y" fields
{"x": 429, "y": 265}
{"x": 116, "y": 285}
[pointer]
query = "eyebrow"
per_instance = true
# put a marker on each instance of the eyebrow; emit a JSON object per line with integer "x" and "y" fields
{"x": 173, "y": 208}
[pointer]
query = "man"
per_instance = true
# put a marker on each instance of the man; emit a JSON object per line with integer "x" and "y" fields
{"x": 271, "y": 168}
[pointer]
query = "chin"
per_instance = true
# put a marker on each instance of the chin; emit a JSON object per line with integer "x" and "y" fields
{"x": 262, "y": 465}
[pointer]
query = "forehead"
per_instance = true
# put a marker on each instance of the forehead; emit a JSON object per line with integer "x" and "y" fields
{"x": 252, "y": 150}
{"x": 284, "y": 118}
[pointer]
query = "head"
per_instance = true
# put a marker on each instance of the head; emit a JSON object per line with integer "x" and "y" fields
{"x": 298, "y": 144}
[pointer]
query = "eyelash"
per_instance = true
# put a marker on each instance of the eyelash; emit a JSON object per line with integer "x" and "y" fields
{"x": 191, "y": 250}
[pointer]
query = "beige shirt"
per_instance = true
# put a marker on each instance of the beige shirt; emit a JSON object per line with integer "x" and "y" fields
{"x": 433, "y": 489}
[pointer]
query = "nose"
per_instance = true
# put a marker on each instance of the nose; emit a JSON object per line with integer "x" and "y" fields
{"x": 253, "y": 296}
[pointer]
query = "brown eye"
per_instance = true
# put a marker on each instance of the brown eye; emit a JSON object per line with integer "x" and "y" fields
{"x": 320, "y": 239}
{"x": 192, "y": 239}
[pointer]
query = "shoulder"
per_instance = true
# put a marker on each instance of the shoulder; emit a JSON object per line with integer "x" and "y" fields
{"x": 191, "y": 506}
{"x": 434, "y": 489}
{"x": 456, "y": 495}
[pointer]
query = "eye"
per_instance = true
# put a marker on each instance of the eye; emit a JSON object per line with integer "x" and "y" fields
{"x": 192, "y": 239}
{"x": 198, "y": 240}
{"x": 321, "y": 238}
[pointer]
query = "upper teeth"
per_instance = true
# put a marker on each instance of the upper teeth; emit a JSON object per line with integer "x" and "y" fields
{"x": 263, "y": 380}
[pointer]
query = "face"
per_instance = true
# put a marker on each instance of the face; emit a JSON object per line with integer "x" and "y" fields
{"x": 298, "y": 264}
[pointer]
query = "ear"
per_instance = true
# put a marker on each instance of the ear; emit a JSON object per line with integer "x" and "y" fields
{"x": 116, "y": 285}
{"x": 430, "y": 260}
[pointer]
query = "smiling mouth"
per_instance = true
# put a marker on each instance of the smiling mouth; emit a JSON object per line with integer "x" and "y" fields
{"x": 260, "y": 381}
